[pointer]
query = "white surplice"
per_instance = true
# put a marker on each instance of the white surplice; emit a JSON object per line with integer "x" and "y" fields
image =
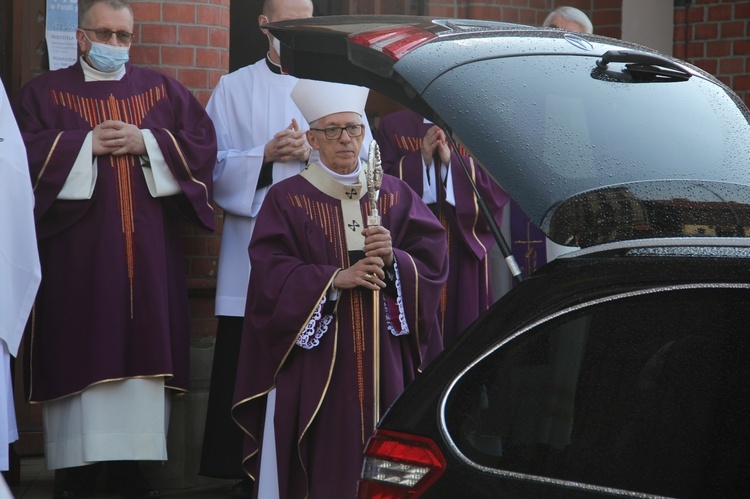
{"x": 248, "y": 107}
{"x": 20, "y": 272}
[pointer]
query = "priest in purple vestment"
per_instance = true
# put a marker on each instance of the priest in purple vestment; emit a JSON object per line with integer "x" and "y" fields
{"x": 340, "y": 312}
{"x": 119, "y": 157}
{"x": 415, "y": 150}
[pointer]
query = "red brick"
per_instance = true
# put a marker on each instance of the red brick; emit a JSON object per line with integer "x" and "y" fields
{"x": 741, "y": 83}
{"x": 732, "y": 65}
{"x": 718, "y": 48}
{"x": 610, "y": 31}
{"x": 607, "y": 18}
{"x": 490, "y": 13}
{"x": 169, "y": 72}
{"x": 680, "y": 32}
{"x": 720, "y": 13}
{"x": 679, "y": 16}
{"x": 734, "y": 29}
{"x": 678, "y": 51}
{"x": 207, "y": 57}
{"x": 706, "y": 31}
{"x": 742, "y": 47}
{"x": 200, "y": 266}
{"x": 209, "y": 15}
{"x": 159, "y": 33}
{"x": 195, "y": 245}
{"x": 529, "y": 17}
{"x": 178, "y": 56}
{"x": 696, "y": 14}
{"x": 178, "y": 13}
{"x": 146, "y": 11}
{"x": 606, "y": 4}
{"x": 696, "y": 49}
{"x": 509, "y": 15}
{"x": 145, "y": 54}
{"x": 441, "y": 10}
{"x": 193, "y": 78}
{"x": 578, "y": 4}
{"x": 193, "y": 35}
{"x": 218, "y": 37}
{"x": 742, "y": 10}
{"x": 707, "y": 65}
{"x": 202, "y": 307}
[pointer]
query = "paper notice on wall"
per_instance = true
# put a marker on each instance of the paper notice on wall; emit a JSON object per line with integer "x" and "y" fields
{"x": 62, "y": 22}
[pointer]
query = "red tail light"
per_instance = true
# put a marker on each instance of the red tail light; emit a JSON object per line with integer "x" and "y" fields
{"x": 398, "y": 465}
{"x": 394, "y": 41}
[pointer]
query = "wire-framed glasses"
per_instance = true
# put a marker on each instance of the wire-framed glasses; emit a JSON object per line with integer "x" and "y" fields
{"x": 104, "y": 35}
{"x": 334, "y": 132}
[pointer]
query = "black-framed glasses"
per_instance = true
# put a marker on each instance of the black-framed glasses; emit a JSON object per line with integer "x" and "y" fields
{"x": 334, "y": 132}
{"x": 104, "y": 35}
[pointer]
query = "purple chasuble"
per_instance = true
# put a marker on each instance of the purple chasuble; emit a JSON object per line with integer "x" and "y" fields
{"x": 324, "y": 394}
{"x": 113, "y": 299}
{"x": 468, "y": 291}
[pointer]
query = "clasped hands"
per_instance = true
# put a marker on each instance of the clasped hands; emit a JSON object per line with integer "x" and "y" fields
{"x": 118, "y": 138}
{"x": 369, "y": 272}
{"x": 433, "y": 142}
{"x": 288, "y": 144}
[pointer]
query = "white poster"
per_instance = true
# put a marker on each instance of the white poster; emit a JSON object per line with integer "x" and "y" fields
{"x": 62, "y": 22}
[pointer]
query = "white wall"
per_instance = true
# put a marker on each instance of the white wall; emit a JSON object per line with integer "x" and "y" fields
{"x": 649, "y": 22}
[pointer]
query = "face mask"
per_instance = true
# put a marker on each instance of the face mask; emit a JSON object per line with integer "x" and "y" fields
{"x": 276, "y": 46}
{"x": 108, "y": 58}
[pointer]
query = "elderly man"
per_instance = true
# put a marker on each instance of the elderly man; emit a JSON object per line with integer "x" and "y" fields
{"x": 569, "y": 18}
{"x": 261, "y": 140}
{"x": 119, "y": 156}
{"x": 326, "y": 289}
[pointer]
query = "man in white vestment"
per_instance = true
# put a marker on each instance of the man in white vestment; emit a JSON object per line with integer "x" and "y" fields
{"x": 20, "y": 271}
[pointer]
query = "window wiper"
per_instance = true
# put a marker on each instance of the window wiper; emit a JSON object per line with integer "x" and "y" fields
{"x": 641, "y": 66}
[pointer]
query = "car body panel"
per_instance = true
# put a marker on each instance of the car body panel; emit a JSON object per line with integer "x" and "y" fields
{"x": 641, "y": 162}
{"x": 550, "y": 124}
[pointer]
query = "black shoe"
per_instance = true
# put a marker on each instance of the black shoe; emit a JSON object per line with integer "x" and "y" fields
{"x": 74, "y": 483}
{"x": 243, "y": 488}
{"x": 126, "y": 479}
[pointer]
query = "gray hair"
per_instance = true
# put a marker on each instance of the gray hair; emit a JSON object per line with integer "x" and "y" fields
{"x": 84, "y": 6}
{"x": 571, "y": 14}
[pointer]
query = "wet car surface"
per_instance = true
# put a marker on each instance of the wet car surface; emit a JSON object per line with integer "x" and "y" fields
{"x": 621, "y": 368}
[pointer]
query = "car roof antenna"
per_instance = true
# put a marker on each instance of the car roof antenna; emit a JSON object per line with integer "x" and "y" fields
{"x": 515, "y": 270}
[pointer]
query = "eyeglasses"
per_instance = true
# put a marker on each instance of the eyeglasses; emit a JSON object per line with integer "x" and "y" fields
{"x": 334, "y": 132}
{"x": 104, "y": 35}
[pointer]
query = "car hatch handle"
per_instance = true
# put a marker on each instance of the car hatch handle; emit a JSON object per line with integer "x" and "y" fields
{"x": 643, "y": 62}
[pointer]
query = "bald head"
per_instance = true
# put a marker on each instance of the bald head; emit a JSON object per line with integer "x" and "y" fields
{"x": 274, "y": 8}
{"x": 569, "y": 18}
{"x": 282, "y": 10}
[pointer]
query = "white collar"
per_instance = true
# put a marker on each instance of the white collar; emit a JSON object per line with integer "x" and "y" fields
{"x": 92, "y": 74}
{"x": 347, "y": 178}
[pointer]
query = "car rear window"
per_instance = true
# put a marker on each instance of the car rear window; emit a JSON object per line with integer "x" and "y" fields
{"x": 646, "y": 392}
{"x": 551, "y": 126}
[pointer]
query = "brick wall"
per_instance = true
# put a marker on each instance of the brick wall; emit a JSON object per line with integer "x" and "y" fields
{"x": 715, "y": 36}
{"x": 189, "y": 40}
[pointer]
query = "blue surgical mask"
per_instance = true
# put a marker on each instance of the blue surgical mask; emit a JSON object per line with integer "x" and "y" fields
{"x": 108, "y": 58}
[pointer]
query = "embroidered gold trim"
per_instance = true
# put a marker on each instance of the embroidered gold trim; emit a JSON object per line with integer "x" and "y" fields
{"x": 187, "y": 168}
{"x": 46, "y": 161}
